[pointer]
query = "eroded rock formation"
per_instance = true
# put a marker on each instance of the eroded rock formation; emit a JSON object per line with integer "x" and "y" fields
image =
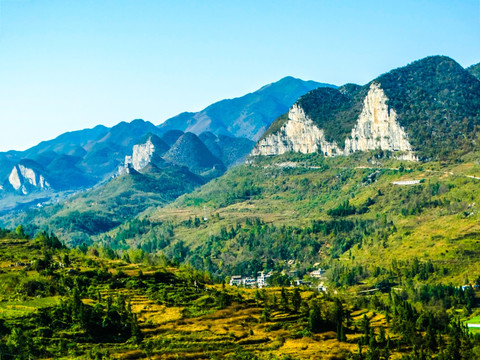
{"x": 25, "y": 179}
{"x": 376, "y": 128}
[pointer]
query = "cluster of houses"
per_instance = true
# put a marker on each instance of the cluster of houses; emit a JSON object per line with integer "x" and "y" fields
{"x": 262, "y": 280}
{"x": 259, "y": 282}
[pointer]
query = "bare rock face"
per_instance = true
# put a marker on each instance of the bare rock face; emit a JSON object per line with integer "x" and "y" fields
{"x": 26, "y": 179}
{"x": 144, "y": 154}
{"x": 376, "y": 128}
{"x": 298, "y": 134}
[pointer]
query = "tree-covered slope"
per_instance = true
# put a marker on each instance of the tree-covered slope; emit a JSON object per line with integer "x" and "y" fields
{"x": 191, "y": 152}
{"x": 438, "y": 103}
{"x": 475, "y": 70}
{"x": 103, "y": 208}
{"x": 341, "y": 213}
{"x": 96, "y": 303}
{"x": 334, "y": 110}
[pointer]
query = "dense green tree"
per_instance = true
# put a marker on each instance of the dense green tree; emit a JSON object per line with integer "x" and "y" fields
{"x": 296, "y": 300}
{"x": 315, "y": 320}
{"x": 284, "y": 303}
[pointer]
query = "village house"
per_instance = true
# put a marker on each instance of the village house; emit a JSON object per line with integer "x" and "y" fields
{"x": 321, "y": 287}
{"x": 236, "y": 280}
{"x": 249, "y": 282}
{"x": 262, "y": 279}
{"x": 317, "y": 273}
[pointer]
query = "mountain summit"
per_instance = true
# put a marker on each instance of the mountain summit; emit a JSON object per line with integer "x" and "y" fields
{"x": 191, "y": 152}
{"x": 247, "y": 116}
{"x": 426, "y": 110}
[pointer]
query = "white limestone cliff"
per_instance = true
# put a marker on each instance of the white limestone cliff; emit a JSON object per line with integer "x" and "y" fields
{"x": 25, "y": 179}
{"x": 298, "y": 134}
{"x": 376, "y": 128}
{"x": 142, "y": 155}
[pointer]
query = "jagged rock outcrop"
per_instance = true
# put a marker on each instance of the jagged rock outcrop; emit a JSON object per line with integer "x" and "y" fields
{"x": 26, "y": 179}
{"x": 376, "y": 128}
{"x": 188, "y": 151}
{"x": 298, "y": 134}
{"x": 427, "y": 110}
{"x": 146, "y": 153}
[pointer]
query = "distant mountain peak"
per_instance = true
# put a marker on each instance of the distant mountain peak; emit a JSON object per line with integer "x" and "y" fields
{"x": 191, "y": 152}
{"x": 247, "y": 116}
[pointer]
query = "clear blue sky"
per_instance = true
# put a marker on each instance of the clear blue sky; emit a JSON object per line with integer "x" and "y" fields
{"x": 68, "y": 65}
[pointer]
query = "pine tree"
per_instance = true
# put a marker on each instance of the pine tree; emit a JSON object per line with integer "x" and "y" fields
{"x": 296, "y": 300}
{"x": 315, "y": 320}
{"x": 284, "y": 300}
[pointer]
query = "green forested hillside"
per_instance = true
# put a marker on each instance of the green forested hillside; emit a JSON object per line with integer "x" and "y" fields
{"x": 475, "y": 70}
{"x": 337, "y": 212}
{"x": 103, "y": 208}
{"x": 86, "y": 303}
{"x": 438, "y": 103}
{"x": 334, "y": 110}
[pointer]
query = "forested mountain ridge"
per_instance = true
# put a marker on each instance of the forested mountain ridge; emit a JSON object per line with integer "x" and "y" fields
{"x": 475, "y": 70}
{"x": 429, "y": 109}
{"x": 312, "y": 210}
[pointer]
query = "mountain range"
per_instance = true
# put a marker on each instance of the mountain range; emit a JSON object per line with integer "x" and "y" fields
{"x": 83, "y": 159}
{"x": 357, "y": 213}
